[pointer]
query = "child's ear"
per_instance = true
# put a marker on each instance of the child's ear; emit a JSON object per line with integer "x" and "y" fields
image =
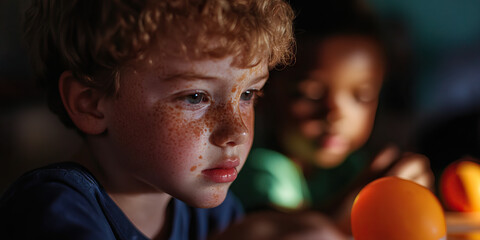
{"x": 83, "y": 104}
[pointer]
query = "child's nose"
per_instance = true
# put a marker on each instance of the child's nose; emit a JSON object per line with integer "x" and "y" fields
{"x": 231, "y": 129}
{"x": 332, "y": 108}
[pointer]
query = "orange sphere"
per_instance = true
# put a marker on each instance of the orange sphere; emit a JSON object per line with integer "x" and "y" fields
{"x": 460, "y": 186}
{"x": 396, "y": 209}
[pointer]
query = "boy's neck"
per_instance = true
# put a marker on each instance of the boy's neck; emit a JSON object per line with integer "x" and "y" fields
{"x": 151, "y": 213}
{"x": 148, "y": 210}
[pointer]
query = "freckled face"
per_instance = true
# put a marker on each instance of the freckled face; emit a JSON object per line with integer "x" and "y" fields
{"x": 184, "y": 127}
{"x": 334, "y": 115}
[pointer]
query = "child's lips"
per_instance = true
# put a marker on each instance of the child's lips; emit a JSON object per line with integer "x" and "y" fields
{"x": 334, "y": 143}
{"x": 224, "y": 172}
{"x": 221, "y": 175}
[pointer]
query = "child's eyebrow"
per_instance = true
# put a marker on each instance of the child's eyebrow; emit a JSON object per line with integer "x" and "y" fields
{"x": 195, "y": 76}
{"x": 187, "y": 76}
{"x": 260, "y": 78}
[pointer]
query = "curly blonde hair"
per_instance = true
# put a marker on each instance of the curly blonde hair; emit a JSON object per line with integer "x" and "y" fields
{"x": 95, "y": 38}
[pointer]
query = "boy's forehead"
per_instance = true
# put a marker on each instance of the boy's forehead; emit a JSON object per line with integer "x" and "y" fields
{"x": 171, "y": 67}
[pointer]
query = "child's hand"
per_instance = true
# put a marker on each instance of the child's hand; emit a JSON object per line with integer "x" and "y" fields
{"x": 414, "y": 167}
{"x": 411, "y": 166}
{"x": 268, "y": 225}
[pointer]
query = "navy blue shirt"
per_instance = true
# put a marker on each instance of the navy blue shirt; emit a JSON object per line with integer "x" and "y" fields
{"x": 65, "y": 201}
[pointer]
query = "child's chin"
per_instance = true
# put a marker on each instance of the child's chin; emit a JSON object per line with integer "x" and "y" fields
{"x": 207, "y": 200}
{"x": 209, "y": 204}
{"x": 329, "y": 159}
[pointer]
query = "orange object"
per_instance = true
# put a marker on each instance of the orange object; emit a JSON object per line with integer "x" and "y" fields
{"x": 460, "y": 186}
{"x": 396, "y": 209}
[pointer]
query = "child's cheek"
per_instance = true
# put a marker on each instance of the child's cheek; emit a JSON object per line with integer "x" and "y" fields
{"x": 248, "y": 117}
{"x": 155, "y": 138}
{"x": 179, "y": 133}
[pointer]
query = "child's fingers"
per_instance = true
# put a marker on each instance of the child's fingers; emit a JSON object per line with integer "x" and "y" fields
{"x": 414, "y": 167}
{"x": 425, "y": 180}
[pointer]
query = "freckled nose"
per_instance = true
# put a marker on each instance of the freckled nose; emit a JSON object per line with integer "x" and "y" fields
{"x": 231, "y": 129}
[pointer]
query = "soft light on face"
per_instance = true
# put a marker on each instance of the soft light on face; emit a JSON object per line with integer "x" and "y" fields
{"x": 334, "y": 115}
{"x": 184, "y": 127}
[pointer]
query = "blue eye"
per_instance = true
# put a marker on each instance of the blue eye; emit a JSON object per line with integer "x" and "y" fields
{"x": 250, "y": 95}
{"x": 196, "y": 98}
{"x": 247, "y": 95}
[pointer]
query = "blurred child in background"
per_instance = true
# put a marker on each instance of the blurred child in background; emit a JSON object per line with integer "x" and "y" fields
{"x": 318, "y": 117}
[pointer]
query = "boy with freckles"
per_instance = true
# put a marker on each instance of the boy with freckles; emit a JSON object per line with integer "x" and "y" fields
{"x": 162, "y": 93}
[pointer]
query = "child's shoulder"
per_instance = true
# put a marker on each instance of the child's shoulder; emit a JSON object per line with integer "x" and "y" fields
{"x": 51, "y": 182}
{"x": 56, "y": 202}
{"x": 70, "y": 173}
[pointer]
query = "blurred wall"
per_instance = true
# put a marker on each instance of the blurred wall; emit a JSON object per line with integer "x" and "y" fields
{"x": 31, "y": 136}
